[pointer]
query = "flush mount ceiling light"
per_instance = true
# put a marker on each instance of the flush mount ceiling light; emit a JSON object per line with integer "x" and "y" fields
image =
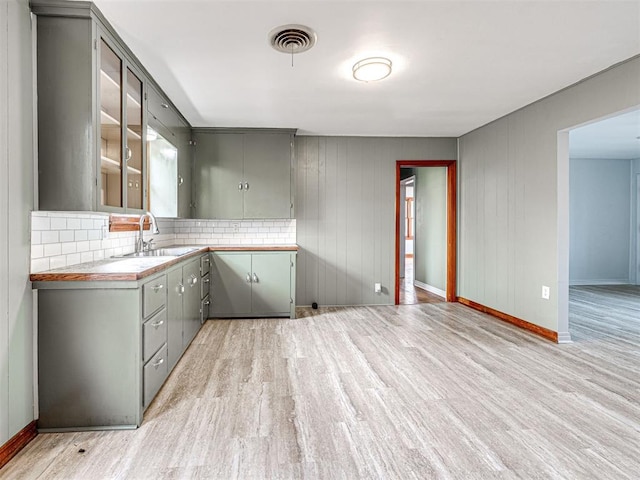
{"x": 372, "y": 69}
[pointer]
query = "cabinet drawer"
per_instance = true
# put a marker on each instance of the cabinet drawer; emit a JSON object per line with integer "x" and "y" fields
{"x": 205, "y": 286}
{"x": 154, "y": 374}
{"x": 154, "y": 294}
{"x": 205, "y": 265}
{"x": 154, "y": 334}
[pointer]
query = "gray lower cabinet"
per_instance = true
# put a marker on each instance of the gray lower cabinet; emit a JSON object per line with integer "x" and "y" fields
{"x": 260, "y": 284}
{"x": 90, "y": 357}
{"x": 191, "y": 302}
{"x": 174, "y": 313}
{"x": 105, "y": 348}
{"x": 183, "y": 306}
{"x": 205, "y": 284}
{"x": 243, "y": 175}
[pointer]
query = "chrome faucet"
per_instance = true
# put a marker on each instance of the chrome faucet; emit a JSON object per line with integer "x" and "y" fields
{"x": 141, "y": 245}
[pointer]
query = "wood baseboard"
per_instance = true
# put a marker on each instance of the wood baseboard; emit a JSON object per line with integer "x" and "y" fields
{"x": 17, "y": 443}
{"x": 518, "y": 322}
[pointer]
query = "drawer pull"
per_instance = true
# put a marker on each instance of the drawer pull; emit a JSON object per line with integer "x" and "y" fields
{"x": 164, "y": 105}
{"x": 157, "y": 287}
{"x": 208, "y": 302}
{"x": 158, "y": 363}
{"x": 206, "y": 260}
{"x": 206, "y": 280}
{"x": 157, "y": 324}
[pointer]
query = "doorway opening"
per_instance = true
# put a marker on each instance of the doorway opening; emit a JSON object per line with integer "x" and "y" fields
{"x": 599, "y": 228}
{"x": 407, "y": 227}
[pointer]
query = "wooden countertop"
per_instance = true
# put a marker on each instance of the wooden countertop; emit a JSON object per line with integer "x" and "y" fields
{"x": 136, "y": 268}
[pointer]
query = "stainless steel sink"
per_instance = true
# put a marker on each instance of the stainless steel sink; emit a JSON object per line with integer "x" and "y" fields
{"x": 163, "y": 252}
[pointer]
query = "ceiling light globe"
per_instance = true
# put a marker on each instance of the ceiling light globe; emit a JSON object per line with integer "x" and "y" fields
{"x": 372, "y": 69}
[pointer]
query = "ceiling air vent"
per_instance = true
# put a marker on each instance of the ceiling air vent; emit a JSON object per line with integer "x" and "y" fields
{"x": 292, "y": 38}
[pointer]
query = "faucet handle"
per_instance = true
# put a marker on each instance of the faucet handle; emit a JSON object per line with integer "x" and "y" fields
{"x": 146, "y": 246}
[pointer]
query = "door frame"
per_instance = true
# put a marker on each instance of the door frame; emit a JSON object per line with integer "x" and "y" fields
{"x": 451, "y": 166}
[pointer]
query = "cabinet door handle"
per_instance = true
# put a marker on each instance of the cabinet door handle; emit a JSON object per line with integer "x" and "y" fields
{"x": 128, "y": 154}
{"x": 255, "y": 278}
{"x": 206, "y": 280}
{"x": 157, "y": 287}
{"x": 246, "y": 185}
{"x": 159, "y": 362}
{"x": 240, "y": 186}
{"x": 157, "y": 324}
{"x": 180, "y": 289}
{"x": 206, "y": 260}
{"x": 192, "y": 280}
{"x": 208, "y": 302}
{"x": 180, "y": 180}
{"x": 164, "y": 105}
{"x": 248, "y": 278}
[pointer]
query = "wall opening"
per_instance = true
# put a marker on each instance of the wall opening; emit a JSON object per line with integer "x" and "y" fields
{"x": 449, "y": 290}
{"x": 598, "y": 219}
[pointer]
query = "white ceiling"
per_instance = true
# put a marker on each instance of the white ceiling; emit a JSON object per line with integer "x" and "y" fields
{"x": 613, "y": 138}
{"x": 457, "y": 65}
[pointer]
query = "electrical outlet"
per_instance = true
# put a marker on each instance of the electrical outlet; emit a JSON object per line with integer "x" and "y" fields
{"x": 377, "y": 287}
{"x": 545, "y": 292}
{"x": 236, "y": 227}
{"x": 105, "y": 231}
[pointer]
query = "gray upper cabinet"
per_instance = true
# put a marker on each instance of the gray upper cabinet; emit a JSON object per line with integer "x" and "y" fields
{"x": 267, "y": 176}
{"x": 170, "y": 158}
{"x": 218, "y": 179}
{"x": 92, "y": 116}
{"x": 243, "y": 174}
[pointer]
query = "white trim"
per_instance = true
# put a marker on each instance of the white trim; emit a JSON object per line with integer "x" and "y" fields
{"x": 635, "y": 227}
{"x": 430, "y": 288}
{"x": 564, "y": 337}
{"x": 563, "y": 241}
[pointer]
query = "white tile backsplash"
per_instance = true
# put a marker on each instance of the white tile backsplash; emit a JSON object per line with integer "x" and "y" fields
{"x": 62, "y": 239}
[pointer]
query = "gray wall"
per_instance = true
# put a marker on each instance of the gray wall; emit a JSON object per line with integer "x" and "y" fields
{"x": 430, "y": 257}
{"x": 513, "y": 198}
{"x": 16, "y": 201}
{"x": 600, "y": 221}
{"x": 345, "y": 212}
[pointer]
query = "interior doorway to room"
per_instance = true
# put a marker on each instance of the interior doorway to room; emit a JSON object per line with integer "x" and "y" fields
{"x": 604, "y": 228}
{"x": 420, "y": 242}
{"x": 409, "y": 294}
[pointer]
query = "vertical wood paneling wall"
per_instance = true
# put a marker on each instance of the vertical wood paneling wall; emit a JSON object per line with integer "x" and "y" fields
{"x": 510, "y": 182}
{"x": 16, "y": 190}
{"x": 345, "y": 207}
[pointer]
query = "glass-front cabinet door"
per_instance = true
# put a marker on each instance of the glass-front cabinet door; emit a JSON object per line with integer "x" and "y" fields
{"x": 133, "y": 149}
{"x": 163, "y": 174}
{"x": 122, "y": 150}
{"x": 110, "y": 127}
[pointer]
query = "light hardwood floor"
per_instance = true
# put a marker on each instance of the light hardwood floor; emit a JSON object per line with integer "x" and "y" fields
{"x": 417, "y": 391}
{"x": 411, "y": 295}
